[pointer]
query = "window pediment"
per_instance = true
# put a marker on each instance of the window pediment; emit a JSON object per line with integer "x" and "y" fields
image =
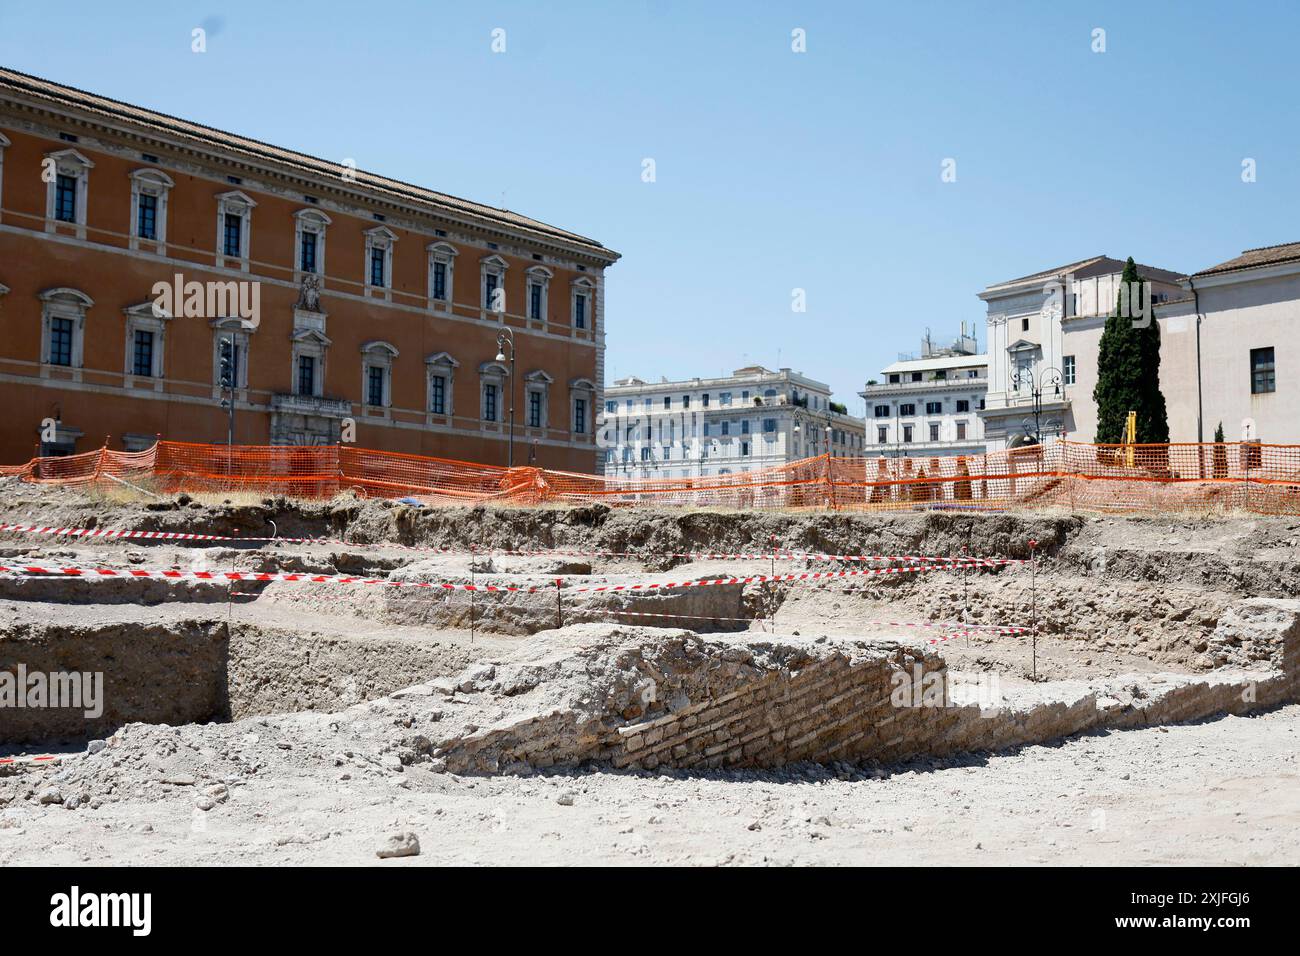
{"x": 148, "y": 176}
{"x": 236, "y": 198}
{"x": 69, "y": 296}
{"x": 70, "y": 157}
{"x": 442, "y": 358}
{"x": 313, "y": 217}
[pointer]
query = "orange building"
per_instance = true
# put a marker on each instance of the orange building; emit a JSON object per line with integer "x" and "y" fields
{"x": 150, "y": 267}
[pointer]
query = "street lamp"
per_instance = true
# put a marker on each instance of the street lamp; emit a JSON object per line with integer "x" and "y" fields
{"x": 812, "y": 435}
{"x": 507, "y": 337}
{"x": 1049, "y": 377}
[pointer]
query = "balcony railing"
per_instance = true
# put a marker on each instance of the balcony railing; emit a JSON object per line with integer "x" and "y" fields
{"x": 956, "y": 384}
{"x": 311, "y": 405}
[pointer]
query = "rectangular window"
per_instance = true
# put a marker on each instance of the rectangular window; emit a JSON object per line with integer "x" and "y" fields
{"x": 704, "y": 400}
{"x": 142, "y": 359}
{"x": 580, "y": 311}
{"x": 907, "y": 434}
{"x": 489, "y": 290}
{"x": 686, "y": 401}
{"x": 580, "y": 416}
{"x": 894, "y": 378}
{"x": 534, "y": 409}
{"x": 645, "y": 454}
{"x": 1024, "y": 325}
{"x": 308, "y": 263}
{"x": 1067, "y": 369}
{"x": 668, "y": 403}
{"x": 934, "y": 408}
{"x": 724, "y": 398}
{"x": 440, "y": 281}
{"x": 769, "y": 424}
{"x": 489, "y": 403}
{"x": 882, "y": 411}
{"x": 744, "y": 448}
{"x": 744, "y": 427}
{"x": 1262, "y": 371}
{"x": 908, "y": 409}
{"x": 232, "y": 243}
{"x": 611, "y": 407}
{"x": 963, "y": 405}
{"x": 65, "y": 198}
{"x": 377, "y": 268}
{"x": 438, "y": 395}
{"x": 934, "y": 431}
{"x": 60, "y": 341}
{"x": 534, "y": 301}
{"x": 961, "y": 431}
{"x": 726, "y": 428}
{"x": 306, "y": 375}
{"x": 882, "y": 434}
{"x": 375, "y": 386}
{"x": 916, "y": 376}
{"x": 146, "y": 219}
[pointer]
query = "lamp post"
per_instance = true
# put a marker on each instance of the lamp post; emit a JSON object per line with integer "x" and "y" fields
{"x": 507, "y": 337}
{"x": 1049, "y": 377}
{"x": 812, "y": 432}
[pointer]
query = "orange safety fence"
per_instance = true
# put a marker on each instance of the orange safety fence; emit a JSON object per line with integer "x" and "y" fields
{"x": 1247, "y": 476}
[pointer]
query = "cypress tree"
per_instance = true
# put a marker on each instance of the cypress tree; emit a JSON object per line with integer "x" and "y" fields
{"x": 1128, "y": 375}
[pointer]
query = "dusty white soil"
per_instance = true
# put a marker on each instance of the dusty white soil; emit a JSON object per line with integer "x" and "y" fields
{"x": 1115, "y": 595}
{"x": 1221, "y": 792}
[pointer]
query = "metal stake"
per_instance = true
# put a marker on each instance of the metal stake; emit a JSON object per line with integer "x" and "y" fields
{"x": 1033, "y": 591}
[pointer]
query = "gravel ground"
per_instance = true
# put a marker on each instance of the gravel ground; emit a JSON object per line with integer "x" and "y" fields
{"x": 1220, "y": 792}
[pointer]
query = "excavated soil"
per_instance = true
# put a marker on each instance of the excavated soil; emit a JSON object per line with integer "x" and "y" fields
{"x": 412, "y": 706}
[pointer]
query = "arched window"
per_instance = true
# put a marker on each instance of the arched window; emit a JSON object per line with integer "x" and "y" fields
{"x": 63, "y": 328}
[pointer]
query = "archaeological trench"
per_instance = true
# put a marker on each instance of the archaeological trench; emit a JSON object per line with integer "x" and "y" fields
{"x": 1138, "y": 622}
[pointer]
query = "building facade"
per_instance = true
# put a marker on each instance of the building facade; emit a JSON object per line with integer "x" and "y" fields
{"x": 752, "y": 419}
{"x": 928, "y": 405}
{"x": 151, "y": 267}
{"x": 1043, "y": 335}
{"x": 1230, "y": 350}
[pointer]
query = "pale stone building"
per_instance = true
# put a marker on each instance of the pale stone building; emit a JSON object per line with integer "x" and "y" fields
{"x": 754, "y": 418}
{"x": 929, "y": 404}
{"x": 1230, "y": 349}
{"x": 1043, "y": 333}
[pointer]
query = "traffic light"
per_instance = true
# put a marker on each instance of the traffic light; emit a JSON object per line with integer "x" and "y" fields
{"x": 227, "y": 357}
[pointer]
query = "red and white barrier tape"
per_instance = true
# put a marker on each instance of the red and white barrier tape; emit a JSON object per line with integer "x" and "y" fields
{"x": 174, "y": 574}
{"x": 996, "y": 628}
{"x": 41, "y": 759}
{"x": 485, "y": 552}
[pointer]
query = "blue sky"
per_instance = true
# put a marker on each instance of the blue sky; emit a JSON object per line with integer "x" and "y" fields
{"x": 774, "y": 170}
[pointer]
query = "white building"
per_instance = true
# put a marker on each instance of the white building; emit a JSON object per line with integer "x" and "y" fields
{"x": 1043, "y": 331}
{"x": 752, "y": 419}
{"x": 928, "y": 404}
{"x": 1230, "y": 349}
